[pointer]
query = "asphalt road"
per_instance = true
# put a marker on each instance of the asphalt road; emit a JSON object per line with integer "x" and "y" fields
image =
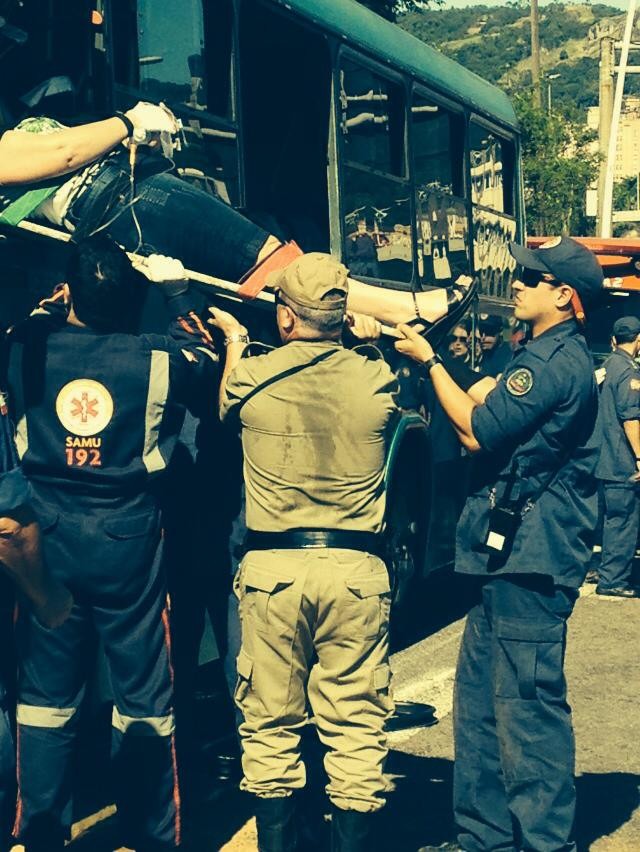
{"x": 603, "y": 671}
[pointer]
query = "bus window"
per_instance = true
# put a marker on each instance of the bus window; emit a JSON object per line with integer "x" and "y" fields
{"x": 182, "y": 59}
{"x": 438, "y": 152}
{"x": 375, "y": 192}
{"x": 441, "y": 217}
{"x": 492, "y": 169}
{"x": 185, "y": 61}
{"x": 372, "y": 120}
{"x": 493, "y": 262}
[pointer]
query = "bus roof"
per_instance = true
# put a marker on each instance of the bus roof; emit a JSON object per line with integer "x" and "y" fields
{"x": 364, "y": 29}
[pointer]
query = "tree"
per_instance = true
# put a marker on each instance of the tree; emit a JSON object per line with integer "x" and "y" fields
{"x": 390, "y": 8}
{"x": 558, "y": 165}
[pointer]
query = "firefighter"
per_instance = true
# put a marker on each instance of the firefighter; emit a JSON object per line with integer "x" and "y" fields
{"x": 99, "y": 409}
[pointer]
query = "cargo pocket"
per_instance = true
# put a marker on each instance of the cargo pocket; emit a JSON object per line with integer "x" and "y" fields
{"x": 371, "y": 599}
{"x": 244, "y": 668}
{"x": 131, "y": 526}
{"x": 529, "y": 659}
{"x": 267, "y": 602}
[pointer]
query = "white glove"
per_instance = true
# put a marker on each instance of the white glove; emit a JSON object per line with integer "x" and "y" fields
{"x": 167, "y": 272}
{"x": 150, "y": 118}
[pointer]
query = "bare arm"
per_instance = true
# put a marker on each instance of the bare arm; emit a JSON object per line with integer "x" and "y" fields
{"x": 228, "y": 325}
{"x": 21, "y": 559}
{"x": 457, "y": 404}
{"x": 29, "y": 157}
{"x": 632, "y": 432}
{"x": 479, "y": 391}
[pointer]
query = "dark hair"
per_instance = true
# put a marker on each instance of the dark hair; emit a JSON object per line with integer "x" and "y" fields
{"x": 625, "y": 337}
{"x": 107, "y": 293}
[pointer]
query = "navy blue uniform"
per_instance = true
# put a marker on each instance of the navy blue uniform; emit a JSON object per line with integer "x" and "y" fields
{"x": 14, "y": 493}
{"x": 97, "y": 419}
{"x": 513, "y": 782}
{"x": 619, "y": 402}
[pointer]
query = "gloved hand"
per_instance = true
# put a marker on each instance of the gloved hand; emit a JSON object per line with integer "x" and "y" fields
{"x": 167, "y": 272}
{"x": 149, "y": 119}
{"x": 363, "y": 327}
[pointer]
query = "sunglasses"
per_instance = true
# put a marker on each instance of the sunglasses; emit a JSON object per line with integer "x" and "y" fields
{"x": 533, "y": 277}
{"x": 454, "y": 338}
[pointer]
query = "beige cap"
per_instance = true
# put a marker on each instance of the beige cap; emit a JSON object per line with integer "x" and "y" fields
{"x": 308, "y": 281}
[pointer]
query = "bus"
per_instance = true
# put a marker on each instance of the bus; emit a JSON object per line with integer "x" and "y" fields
{"x": 322, "y": 122}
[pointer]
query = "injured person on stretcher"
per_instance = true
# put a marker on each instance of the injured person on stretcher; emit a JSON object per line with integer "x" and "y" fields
{"x": 98, "y": 176}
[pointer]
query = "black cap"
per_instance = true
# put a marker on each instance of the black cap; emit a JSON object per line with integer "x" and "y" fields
{"x": 628, "y": 327}
{"x": 568, "y": 261}
{"x": 490, "y": 324}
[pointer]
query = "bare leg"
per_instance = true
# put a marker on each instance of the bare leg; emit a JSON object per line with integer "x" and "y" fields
{"x": 388, "y": 306}
{"x": 269, "y": 246}
{"x": 394, "y": 306}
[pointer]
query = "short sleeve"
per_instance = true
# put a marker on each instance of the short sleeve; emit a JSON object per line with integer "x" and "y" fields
{"x": 240, "y": 382}
{"x": 627, "y": 396}
{"x": 517, "y": 405}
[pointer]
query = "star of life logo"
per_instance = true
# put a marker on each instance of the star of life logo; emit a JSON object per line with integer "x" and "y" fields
{"x": 84, "y": 407}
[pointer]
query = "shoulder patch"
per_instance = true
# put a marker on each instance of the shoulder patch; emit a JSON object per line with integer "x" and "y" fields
{"x": 520, "y": 382}
{"x": 634, "y": 384}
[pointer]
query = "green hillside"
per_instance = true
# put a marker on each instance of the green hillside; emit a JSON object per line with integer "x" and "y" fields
{"x": 494, "y": 41}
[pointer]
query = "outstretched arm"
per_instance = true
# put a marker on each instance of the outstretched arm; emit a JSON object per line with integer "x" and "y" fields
{"x": 457, "y": 403}
{"x": 30, "y": 157}
{"x": 236, "y": 340}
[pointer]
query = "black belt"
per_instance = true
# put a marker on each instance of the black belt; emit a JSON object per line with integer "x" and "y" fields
{"x": 367, "y": 542}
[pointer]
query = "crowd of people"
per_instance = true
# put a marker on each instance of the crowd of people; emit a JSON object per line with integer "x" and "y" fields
{"x": 97, "y": 409}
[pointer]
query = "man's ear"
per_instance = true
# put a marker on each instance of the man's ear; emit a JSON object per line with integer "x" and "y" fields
{"x": 564, "y": 294}
{"x": 287, "y": 318}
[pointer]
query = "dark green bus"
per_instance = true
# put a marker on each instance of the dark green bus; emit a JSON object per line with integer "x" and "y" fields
{"x": 319, "y": 120}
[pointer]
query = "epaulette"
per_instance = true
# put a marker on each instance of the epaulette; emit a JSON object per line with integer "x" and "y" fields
{"x": 546, "y": 347}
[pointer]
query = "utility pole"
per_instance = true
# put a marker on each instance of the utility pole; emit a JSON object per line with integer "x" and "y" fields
{"x": 605, "y": 112}
{"x": 535, "y": 54}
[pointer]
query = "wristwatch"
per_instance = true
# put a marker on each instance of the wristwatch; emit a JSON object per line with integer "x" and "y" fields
{"x": 435, "y": 359}
{"x": 237, "y": 337}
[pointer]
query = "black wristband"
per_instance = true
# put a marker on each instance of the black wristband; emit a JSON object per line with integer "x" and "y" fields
{"x": 435, "y": 359}
{"x": 127, "y": 123}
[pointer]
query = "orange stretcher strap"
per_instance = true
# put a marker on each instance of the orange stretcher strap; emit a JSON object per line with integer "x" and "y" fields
{"x": 254, "y": 281}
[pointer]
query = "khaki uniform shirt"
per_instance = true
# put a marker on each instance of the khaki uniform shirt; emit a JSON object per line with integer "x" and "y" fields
{"x": 315, "y": 442}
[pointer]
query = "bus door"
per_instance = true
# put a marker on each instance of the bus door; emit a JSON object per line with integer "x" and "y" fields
{"x": 285, "y": 93}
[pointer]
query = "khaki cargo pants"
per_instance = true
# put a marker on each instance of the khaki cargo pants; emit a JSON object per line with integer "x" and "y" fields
{"x": 314, "y": 627}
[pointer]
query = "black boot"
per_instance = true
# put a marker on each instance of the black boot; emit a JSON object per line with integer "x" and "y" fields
{"x": 276, "y": 820}
{"x": 350, "y": 831}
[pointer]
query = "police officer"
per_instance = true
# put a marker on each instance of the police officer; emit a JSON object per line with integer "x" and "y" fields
{"x": 315, "y": 419}
{"x": 99, "y": 409}
{"x": 496, "y": 354}
{"x": 619, "y": 460}
{"x": 524, "y": 534}
{"x": 50, "y": 601}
